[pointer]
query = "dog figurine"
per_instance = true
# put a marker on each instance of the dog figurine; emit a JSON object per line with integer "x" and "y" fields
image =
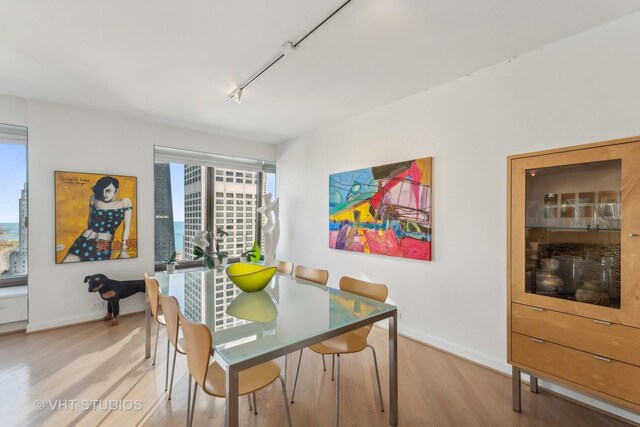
{"x": 113, "y": 291}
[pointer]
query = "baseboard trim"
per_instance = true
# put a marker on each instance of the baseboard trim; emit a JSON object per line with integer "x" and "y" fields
{"x": 71, "y": 321}
{"x": 13, "y": 327}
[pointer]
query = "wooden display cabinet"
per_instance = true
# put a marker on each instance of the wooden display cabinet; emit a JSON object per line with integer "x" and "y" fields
{"x": 573, "y": 314}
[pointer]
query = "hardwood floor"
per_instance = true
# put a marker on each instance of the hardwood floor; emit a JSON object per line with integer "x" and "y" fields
{"x": 101, "y": 375}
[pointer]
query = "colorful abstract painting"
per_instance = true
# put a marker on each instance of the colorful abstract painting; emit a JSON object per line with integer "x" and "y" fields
{"x": 384, "y": 210}
{"x": 95, "y": 217}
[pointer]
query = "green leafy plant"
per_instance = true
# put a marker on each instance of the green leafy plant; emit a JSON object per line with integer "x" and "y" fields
{"x": 249, "y": 255}
{"x": 172, "y": 258}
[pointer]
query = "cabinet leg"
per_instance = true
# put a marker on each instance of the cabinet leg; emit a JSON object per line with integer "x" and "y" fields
{"x": 515, "y": 378}
{"x": 533, "y": 384}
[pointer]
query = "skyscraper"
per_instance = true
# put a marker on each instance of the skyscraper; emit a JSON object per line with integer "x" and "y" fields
{"x": 194, "y": 203}
{"x": 18, "y": 259}
{"x": 165, "y": 243}
{"x": 235, "y": 208}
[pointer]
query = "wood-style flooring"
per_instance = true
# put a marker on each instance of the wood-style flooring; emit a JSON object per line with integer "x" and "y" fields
{"x": 95, "y": 374}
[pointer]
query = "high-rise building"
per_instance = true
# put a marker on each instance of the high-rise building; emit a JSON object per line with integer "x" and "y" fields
{"x": 165, "y": 243}
{"x": 18, "y": 259}
{"x": 194, "y": 203}
{"x": 235, "y": 208}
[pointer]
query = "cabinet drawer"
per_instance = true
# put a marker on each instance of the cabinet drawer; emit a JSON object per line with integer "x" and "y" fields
{"x": 614, "y": 378}
{"x": 609, "y": 340}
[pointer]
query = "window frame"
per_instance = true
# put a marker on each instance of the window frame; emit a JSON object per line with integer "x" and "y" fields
{"x": 19, "y": 279}
{"x": 209, "y": 210}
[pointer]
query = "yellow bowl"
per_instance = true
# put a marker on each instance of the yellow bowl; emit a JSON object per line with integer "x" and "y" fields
{"x": 250, "y": 277}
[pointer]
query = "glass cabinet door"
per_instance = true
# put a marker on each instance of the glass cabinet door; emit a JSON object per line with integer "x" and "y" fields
{"x": 575, "y": 231}
{"x": 572, "y": 237}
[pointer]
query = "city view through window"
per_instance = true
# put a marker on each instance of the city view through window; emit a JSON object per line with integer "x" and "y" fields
{"x": 13, "y": 209}
{"x": 182, "y": 199}
{"x": 191, "y": 198}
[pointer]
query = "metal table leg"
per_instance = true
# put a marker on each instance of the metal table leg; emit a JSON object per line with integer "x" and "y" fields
{"x": 393, "y": 369}
{"x": 231, "y": 414}
{"x": 533, "y": 384}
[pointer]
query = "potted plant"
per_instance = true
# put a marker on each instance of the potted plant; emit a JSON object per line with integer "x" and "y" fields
{"x": 201, "y": 243}
{"x": 251, "y": 255}
{"x": 247, "y": 256}
{"x": 170, "y": 264}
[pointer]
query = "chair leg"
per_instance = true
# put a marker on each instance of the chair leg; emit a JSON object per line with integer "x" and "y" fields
{"x": 155, "y": 351}
{"x": 333, "y": 367}
{"x": 286, "y": 402}
{"x": 166, "y": 378}
{"x": 375, "y": 362}
{"x": 286, "y": 363}
{"x": 193, "y": 402}
{"x": 255, "y": 404}
{"x": 173, "y": 371}
{"x": 338, "y": 395}
{"x": 324, "y": 365}
{"x": 249, "y": 400}
{"x": 295, "y": 383}
{"x": 189, "y": 401}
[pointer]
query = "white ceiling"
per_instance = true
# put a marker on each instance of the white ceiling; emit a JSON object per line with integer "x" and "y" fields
{"x": 176, "y": 62}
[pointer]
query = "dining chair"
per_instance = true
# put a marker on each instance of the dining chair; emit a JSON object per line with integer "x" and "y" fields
{"x": 212, "y": 378}
{"x": 153, "y": 290}
{"x": 284, "y": 267}
{"x": 315, "y": 275}
{"x": 311, "y": 274}
{"x": 351, "y": 342}
{"x": 170, "y": 310}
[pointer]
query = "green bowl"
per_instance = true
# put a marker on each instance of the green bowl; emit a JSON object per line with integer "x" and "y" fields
{"x": 250, "y": 277}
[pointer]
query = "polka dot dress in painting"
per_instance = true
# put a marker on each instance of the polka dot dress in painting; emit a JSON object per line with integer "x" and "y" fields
{"x": 100, "y": 221}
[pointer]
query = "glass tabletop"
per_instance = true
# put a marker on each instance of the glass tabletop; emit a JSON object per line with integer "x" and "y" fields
{"x": 247, "y": 325}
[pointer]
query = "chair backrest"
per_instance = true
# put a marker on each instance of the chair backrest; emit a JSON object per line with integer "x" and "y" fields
{"x": 171, "y": 311}
{"x": 153, "y": 290}
{"x": 363, "y": 288}
{"x": 198, "y": 344}
{"x": 311, "y": 274}
{"x": 284, "y": 267}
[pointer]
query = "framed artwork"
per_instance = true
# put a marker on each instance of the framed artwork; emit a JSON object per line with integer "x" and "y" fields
{"x": 95, "y": 217}
{"x": 384, "y": 210}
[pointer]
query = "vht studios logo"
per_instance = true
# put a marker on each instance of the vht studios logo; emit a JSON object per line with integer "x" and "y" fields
{"x": 88, "y": 405}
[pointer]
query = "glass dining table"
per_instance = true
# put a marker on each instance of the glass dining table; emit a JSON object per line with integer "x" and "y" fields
{"x": 288, "y": 315}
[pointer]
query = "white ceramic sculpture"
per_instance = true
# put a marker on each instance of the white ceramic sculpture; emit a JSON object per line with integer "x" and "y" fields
{"x": 270, "y": 209}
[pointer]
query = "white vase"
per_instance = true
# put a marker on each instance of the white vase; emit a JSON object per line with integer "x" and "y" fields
{"x": 171, "y": 268}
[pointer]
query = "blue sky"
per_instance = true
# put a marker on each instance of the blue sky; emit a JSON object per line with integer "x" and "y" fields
{"x": 177, "y": 190}
{"x": 13, "y": 175}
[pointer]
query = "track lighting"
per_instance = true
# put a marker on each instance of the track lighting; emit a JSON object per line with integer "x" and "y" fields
{"x": 288, "y": 48}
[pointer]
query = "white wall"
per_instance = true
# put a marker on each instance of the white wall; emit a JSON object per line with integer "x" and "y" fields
{"x": 68, "y": 139}
{"x": 582, "y": 89}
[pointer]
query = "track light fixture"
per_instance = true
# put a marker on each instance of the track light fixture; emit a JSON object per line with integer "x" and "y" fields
{"x": 236, "y": 95}
{"x": 288, "y": 48}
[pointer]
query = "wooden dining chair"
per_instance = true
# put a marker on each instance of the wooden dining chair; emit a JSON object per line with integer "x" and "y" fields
{"x": 212, "y": 378}
{"x": 351, "y": 342}
{"x": 153, "y": 290}
{"x": 284, "y": 267}
{"x": 171, "y": 310}
{"x": 311, "y": 274}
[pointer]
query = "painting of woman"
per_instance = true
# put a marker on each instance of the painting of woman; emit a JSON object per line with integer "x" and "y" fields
{"x": 108, "y": 232}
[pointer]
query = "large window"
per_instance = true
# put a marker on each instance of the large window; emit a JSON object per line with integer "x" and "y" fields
{"x": 13, "y": 205}
{"x": 189, "y": 198}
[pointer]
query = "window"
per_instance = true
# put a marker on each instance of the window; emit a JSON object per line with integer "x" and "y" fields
{"x": 186, "y": 187}
{"x": 13, "y": 206}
